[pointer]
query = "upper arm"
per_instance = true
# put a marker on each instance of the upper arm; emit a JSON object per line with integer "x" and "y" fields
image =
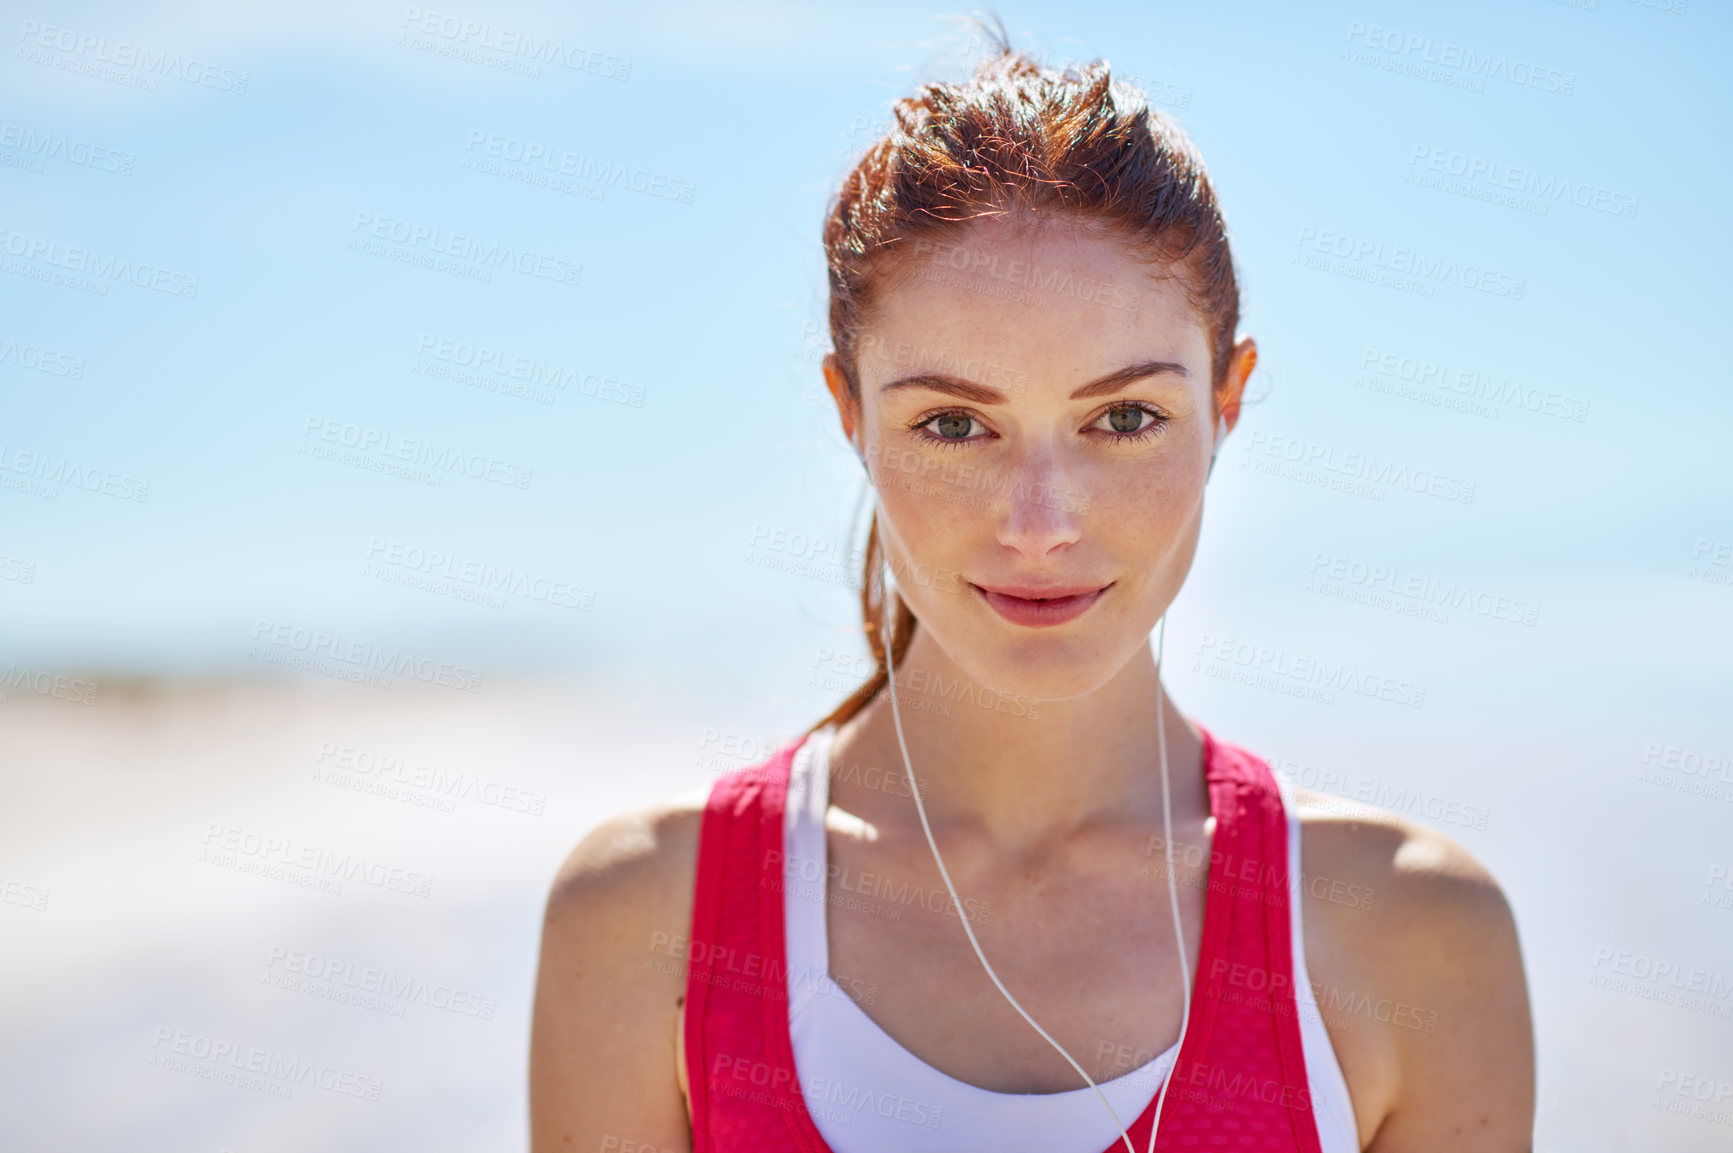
{"x": 1469, "y": 1085}
{"x": 609, "y": 988}
{"x": 1422, "y": 989}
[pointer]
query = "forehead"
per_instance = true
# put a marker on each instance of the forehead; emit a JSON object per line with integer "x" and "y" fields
{"x": 1055, "y": 298}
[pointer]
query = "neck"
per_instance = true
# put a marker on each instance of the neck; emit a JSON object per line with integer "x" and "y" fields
{"x": 1025, "y": 774}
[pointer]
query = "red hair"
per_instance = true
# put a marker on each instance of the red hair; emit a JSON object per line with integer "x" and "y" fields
{"x": 1019, "y": 141}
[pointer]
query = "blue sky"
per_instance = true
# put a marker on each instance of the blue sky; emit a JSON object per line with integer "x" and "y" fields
{"x": 689, "y": 425}
{"x": 708, "y": 315}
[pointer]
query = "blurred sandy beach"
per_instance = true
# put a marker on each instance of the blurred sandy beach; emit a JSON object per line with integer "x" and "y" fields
{"x": 270, "y": 916}
{"x": 214, "y": 888}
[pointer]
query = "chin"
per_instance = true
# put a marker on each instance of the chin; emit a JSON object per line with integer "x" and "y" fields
{"x": 1041, "y": 668}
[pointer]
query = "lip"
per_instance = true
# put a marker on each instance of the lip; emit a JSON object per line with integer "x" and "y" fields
{"x": 1038, "y": 607}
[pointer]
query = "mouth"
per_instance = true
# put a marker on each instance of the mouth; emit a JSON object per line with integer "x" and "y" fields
{"x": 1041, "y": 608}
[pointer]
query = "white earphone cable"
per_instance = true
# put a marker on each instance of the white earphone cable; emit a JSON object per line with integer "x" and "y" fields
{"x": 1172, "y": 885}
{"x": 1173, "y": 892}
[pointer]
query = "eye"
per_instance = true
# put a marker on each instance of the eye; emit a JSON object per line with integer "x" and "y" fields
{"x": 1126, "y": 421}
{"x": 953, "y": 426}
{"x": 950, "y": 426}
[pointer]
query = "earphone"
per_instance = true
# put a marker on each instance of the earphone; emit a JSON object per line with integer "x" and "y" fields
{"x": 889, "y": 584}
{"x": 1216, "y": 448}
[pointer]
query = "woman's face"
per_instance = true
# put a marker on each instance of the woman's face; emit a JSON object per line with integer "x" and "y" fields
{"x": 1036, "y": 415}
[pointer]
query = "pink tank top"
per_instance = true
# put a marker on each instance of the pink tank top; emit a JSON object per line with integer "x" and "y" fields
{"x": 1240, "y": 1079}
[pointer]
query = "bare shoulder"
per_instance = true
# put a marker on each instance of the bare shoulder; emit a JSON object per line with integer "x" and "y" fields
{"x": 1417, "y": 873}
{"x": 624, "y": 865}
{"x": 1414, "y": 956}
{"x": 610, "y": 983}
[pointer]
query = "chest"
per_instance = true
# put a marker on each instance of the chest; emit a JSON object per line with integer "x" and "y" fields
{"x": 1084, "y": 942}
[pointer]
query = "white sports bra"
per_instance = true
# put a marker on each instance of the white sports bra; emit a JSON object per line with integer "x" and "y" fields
{"x": 868, "y": 1094}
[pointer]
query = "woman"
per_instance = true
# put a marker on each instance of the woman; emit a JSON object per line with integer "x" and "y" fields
{"x": 1034, "y": 313}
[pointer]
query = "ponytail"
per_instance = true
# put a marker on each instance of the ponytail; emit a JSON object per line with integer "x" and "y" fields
{"x": 872, "y": 606}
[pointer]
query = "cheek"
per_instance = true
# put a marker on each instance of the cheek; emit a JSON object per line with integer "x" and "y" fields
{"x": 933, "y": 501}
{"x": 934, "y": 527}
{"x": 1133, "y": 497}
{"x": 928, "y": 529}
{"x": 1144, "y": 519}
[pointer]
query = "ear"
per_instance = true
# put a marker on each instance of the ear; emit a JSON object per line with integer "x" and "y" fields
{"x": 838, "y": 385}
{"x": 1240, "y": 365}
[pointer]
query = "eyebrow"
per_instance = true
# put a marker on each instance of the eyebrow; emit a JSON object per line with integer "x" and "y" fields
{"x": 982, "y": 394}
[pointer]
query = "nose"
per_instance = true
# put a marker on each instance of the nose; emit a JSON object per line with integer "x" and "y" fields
{"x": 1039, "y": 509}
